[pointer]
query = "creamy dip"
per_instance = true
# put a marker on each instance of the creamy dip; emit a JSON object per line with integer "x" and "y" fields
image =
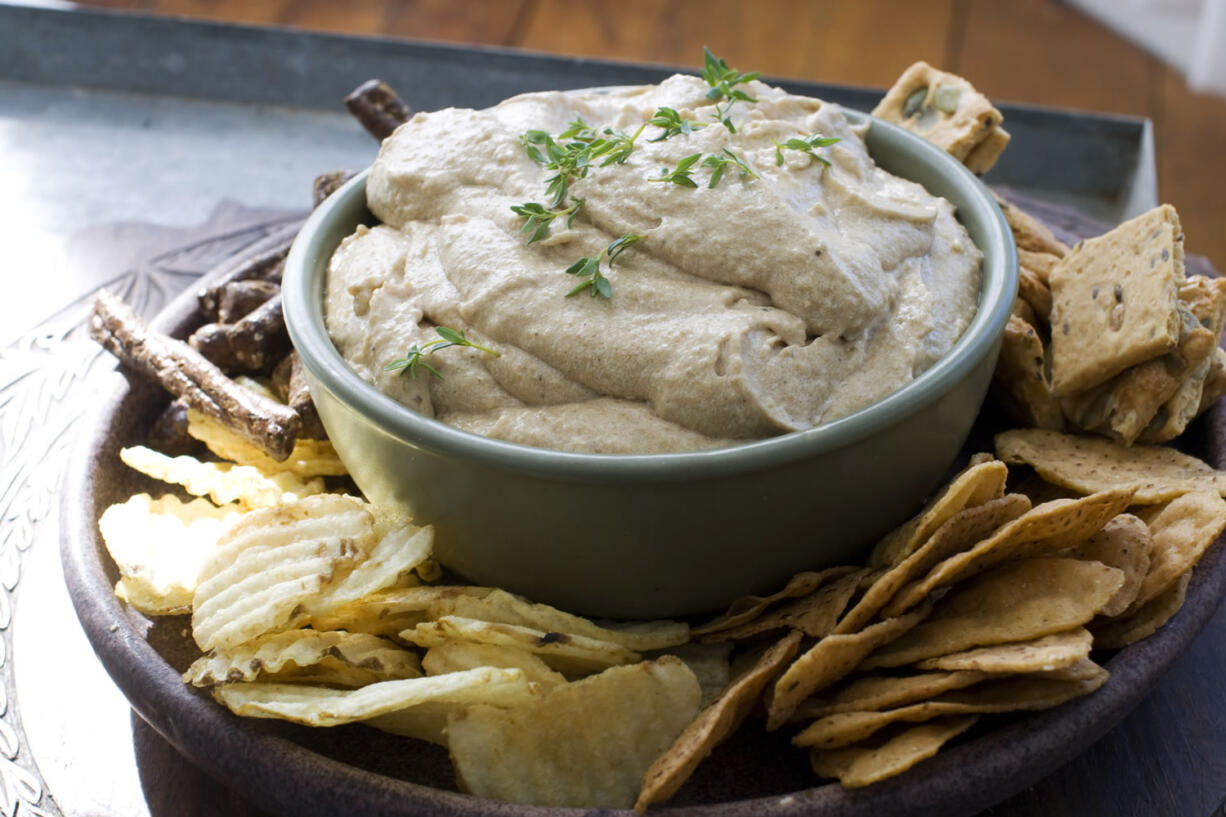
{"x": 761, "y": 306}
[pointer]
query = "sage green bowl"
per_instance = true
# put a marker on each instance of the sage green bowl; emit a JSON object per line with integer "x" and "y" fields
{"x": 655, "y": 535}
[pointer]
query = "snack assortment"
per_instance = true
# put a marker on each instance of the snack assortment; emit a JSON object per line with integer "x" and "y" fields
{"x": 310, "y": 605}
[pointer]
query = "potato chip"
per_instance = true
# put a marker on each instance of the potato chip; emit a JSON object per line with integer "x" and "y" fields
{"x": 1044, "y": 654}
{"x": 1182, "y": 531}
{"x": 382, "y": 660}
{"x": 747, "y": 608}
{"x": 957, "y": 534}
{"x": 1089, "y": 464}
{"x": 814, "y": 615}
{"x": 860, "y": 766}
{"x": 220, "y": 481}
{"x": 456, "y": 656}
{"x": 503, "y": 607}
{"x": 273, "y": 563}
{"x": 716, "y": 722}
{"x": 388, "y": 612}
{"x": 390, "y": 563}
{"x": 1145, "y": 620}
{"x": 1007, "y": 695}
{"x": 709, "y": 662}
{"x": 1016, "y": 602}
{"x": 978, "y": 483}
{"x": 309, "y": 458}
{"x": 318, "y": 706}
{"x": 1044, "y": 529}
{"x": 586, "y": 744}
{"x": 160, "y": 546}
{"x": 564, "y": 652}
{"x": 830, "y": 659}
{"x": 873, "y": 693}
{"x": 1123, "y": 543}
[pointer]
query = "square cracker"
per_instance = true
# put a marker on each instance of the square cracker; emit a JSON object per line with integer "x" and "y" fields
{"x": 943, "y": 108}
{"x": 1115, "y": 301}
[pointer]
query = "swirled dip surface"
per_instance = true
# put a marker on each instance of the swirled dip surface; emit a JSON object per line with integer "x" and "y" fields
{"x": 758, "y": 307}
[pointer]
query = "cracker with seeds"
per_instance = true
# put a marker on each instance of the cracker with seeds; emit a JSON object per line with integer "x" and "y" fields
{"x": 946, "y": 110}
{"x": 1115, "y": 301}
{"x": 1020, "y": 379}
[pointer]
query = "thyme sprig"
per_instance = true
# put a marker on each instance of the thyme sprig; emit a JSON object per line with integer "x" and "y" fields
{"x": 719, "y": 161}
{"x": 588, "y": 269}
{"x": 681, "y": 174}
{"x": 414, "y": 360}
{"x": 573, "y": 159}
{"x": 807, "y": 145}
{"x": 723, "y": 81}
{"x": 672, "y": 123}
{"x": 538, "y": 217}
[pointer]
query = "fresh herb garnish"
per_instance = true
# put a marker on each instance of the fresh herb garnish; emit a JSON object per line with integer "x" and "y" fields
{"x": 414, "y": 360}
{"x": 539, "y": 217}
{"x": 589, "y": 268}
{"x": 718, "y": 161}
{"x": 723, "y": 81}
{"x": 671, "y": 124}
{"x": 680, "y": 175}
{"x": 807, "y": 145}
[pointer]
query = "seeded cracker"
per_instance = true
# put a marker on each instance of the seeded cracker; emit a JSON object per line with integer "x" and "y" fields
{"x": 1115, "y": 301}
{"x": 943, "y": 108}
{"x": 1088, "y": 464}
{"x": 983, "y": 156}
{"x": 1020, "y": 379}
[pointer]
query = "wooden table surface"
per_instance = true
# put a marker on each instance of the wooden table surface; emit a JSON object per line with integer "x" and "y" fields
{"x": 1036, "y": 51}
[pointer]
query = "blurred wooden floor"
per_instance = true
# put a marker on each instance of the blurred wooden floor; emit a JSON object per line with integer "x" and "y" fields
{"x": 1037, "y": 51}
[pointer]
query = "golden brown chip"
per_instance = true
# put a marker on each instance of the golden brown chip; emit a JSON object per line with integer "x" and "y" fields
{"x": 1124, "y": 543}
{"x": 1029, "y": 233}
{"x": 309, "y": 458}
{"x": 1020, "y": 380}
{"x": 564, "y": 652}
{"x": 587, "y": 743}
{"x": 274, "y": 562}
{"x": 1041, "y": 263}
{"x": 1045, "y": 654}
{"x": 1033, "y": 290}
{"x": 1089, "y": 464}
{"x": 859, "y": 766}
{"x": 830, "y": 659}
{"x": 813, "y": 615}
{"x": 719, "y": 720}
{"x": 873, "y": 693}
{"x": 457, "y": 656}
{"x": 975, "y": 485}
{"x": 1044, "y": 529}
{"x": 318, "y": 706}
{"x": 1006, "y": 695}
{"x": 1018, "y": 601}
{"x": 503, "y": 607}
{"x": 748, "y": 608}
{"x": 160, "y": 548}
{"x": 289, "y": 652}
{"x": 1182, "y": 531}
{"x": 957, "y": 534}
{"x": 1145, "y": 620}
{"x": 221, "y": 482}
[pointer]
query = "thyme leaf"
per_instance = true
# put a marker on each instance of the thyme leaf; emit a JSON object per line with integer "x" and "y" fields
{"x": 719, "y": 161}
{"x": 538, "y": 217}
{"x": 672, "y": 124}
{"x": 807, "y": 145}
{"x": 723, "y": 81}
{"x": 414, "y": 359}
{"x": 588, "y": 269}
{"x": 681, "y": 174}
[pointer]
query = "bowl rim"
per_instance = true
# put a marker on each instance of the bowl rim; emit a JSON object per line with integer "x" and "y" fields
{"x": 302, "y": 289}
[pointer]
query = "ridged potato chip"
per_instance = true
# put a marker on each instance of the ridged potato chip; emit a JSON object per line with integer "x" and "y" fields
{"x": 859, "y": 766}
{"x": 457, "y": 656}
{"x": 389, "y": 564}
{"x": 389, "y": 612}
{"x": 1016, "y": 602}
{"x": 715, "y": 723}
{"x": 586, "y": 743}
{"x": 309, "y": 458}
{"x": 319, "y": 706}
{"x": 1089, "y": 464}
{"x": 503, "y": 607}
{"x": 287, "y": 653}
{"x": 577, "y": 654}
{"x": 273, "y": 563}
{"x": 220, "y": 481}
{"x": 160, "y": 547}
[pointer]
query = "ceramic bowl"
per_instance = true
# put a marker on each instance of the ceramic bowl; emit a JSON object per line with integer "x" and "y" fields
{"x": 641, "y": 536}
